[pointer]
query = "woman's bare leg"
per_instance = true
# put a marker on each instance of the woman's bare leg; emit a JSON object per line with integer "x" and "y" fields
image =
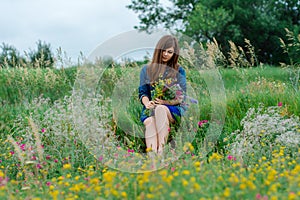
{"x": 163, "y": 118}
{"x": 151, "y": 134}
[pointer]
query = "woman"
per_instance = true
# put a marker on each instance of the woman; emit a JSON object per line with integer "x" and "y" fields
{"x": 164, "y": 66}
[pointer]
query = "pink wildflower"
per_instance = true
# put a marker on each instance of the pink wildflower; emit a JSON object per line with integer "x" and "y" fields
{"x": 39, "y": 166}
{"x": 230, "y": 157}
{"x": 100, "y": 158}
{"x": 23, "y": 146}
{"x": 258, "y": 196}
{"x": 130, "y": 151}
{"x": 200, "y": 123}
{"x": 279, "y": 104}
{"x": 48, "y": 183}
{"x": 43, "y": 130}
{"x": 265, "y": 197}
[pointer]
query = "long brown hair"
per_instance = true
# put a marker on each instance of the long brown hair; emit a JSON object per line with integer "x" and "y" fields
{"x": 157, "y": 67}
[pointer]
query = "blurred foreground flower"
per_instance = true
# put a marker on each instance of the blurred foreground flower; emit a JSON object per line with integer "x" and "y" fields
{"x": 201, "y": 123}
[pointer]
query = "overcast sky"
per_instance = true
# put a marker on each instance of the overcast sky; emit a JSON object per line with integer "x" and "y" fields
{"x": 73, "y": 25}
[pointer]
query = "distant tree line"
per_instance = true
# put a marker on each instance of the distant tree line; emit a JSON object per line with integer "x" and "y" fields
{"x": 42, "y": 56}
{"x": 262, "y": 22}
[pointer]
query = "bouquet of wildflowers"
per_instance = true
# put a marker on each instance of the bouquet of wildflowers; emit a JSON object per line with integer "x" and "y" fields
{"x": 166, "y": 89}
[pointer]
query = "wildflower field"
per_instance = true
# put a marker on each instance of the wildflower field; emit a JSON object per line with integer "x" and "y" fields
{"x": 45, "y": 155}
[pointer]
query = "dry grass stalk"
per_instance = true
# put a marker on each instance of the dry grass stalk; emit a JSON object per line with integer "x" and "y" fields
{"x": 214, "y": 51}
{"x": 16, "y": 148}
{"x": 233, "y": 54}
{"x": 38, "y": 141}
{"x": 237, "y": 56}
{"x": 251, "y": 53}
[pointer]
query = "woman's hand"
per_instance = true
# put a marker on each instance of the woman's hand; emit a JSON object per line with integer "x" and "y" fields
{"x": 150, "y": 105}
{"x": 160, "y": 102}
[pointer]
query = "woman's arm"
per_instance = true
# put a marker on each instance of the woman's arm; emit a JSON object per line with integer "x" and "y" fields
{"x": 144, "y": 88}
{"x": 172, "y": 102}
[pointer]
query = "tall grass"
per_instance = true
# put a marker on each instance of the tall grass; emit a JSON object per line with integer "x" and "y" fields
{"x": 18, "y": 85}
{"x": 245, "y": 88}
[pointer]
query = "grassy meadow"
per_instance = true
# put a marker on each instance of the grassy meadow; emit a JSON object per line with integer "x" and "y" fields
{"x": 44, "y": 154}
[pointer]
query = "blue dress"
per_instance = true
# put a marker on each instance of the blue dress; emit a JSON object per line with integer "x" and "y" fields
{"x": 145, "y": 90}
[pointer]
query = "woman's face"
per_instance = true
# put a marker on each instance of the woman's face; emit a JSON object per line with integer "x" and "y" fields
{"x": 167, "y": 54}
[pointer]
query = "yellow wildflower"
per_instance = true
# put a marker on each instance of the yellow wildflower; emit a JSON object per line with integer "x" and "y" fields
{"x": 184, "y": 182}
{"x": 124, "y": 194}
{"x": 186, "y": 172}
{"x": 148, "y": 149}
{"x": 67, "y": 166}
{"x": 215, "y": 156}
{"x": 174, "y": 194}
{"x": 94, "y": 181}
{"x": 196, "y": 186}
{"x": 54, "y": 194}
{"x": 176, "y": 173}
{"x": 150, "y": 196}
{"x": 197, "y": 164}
{"x": 97, "y": 188}
{"x": 292, "y": 196}
{"x": 243, "y": 186}
{"x": 274, "y": 198}
{"x": 226, "y": 192}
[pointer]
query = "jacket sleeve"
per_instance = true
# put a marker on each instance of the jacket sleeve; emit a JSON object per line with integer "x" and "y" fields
{"x": 144, "y": 88}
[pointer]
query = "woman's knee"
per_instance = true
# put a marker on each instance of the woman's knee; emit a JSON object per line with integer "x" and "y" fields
{"x": 161, "y": 108}
{"x": 149, "y": 121}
